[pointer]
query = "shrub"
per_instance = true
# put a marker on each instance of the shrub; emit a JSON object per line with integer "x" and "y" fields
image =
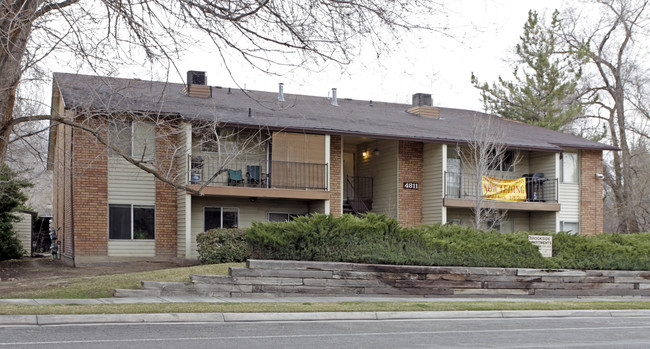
{"x": 604, "y": 251}
{"x": 222, "y": 246}
{"x": 11, "y": 199}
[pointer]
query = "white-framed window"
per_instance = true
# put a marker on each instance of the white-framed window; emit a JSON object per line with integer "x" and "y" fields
{"x": 281, "y": 216}
{"x": 454, "y": 221}
{"x": 503, "y": 225}
{"x": 131, "y": 222}
{"x": 569, "y": 169}
{"x": 570, "y": 227}
{"x": 120, "y": 135}
{"x": 220, "y": 217}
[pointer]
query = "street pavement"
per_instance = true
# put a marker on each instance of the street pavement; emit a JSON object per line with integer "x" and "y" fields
{"x": 9, "y": 320}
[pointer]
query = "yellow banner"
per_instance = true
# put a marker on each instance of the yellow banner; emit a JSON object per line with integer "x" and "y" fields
{"x": 504, "y": 189}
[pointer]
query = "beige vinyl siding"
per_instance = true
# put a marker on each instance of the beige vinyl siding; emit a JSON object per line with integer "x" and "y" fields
{"x": 248, "y": 212}
{"x": 433, "y": 183}
{"x": 131, "y": 248}
{"x": 23, "y": 229}
{"x": 128, "y": 184}
{"x": 383, "y": 169}
{"x": 543, "y": 162}
{"x": 543, "y": 221}
{"x": 522, "y": 164}
{"x": 183, "y": 200}
{"x": 520, "y": 219}
{"x": 144, "y": 140}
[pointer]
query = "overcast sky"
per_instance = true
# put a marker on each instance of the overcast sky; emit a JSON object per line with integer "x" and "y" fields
{"x": 485, "y": 35}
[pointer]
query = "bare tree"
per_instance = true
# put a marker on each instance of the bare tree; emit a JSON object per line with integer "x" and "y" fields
{"x": 272, "y": 36}
{"x": 486, "y": 154}
{"x": 614, "y": 41}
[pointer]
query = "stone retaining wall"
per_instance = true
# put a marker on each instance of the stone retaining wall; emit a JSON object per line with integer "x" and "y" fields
{"x": 298, "y": 278}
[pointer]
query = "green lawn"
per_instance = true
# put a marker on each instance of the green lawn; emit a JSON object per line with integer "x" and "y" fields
{"x": 103, "y": 286}
{"x": 315, "y": 307}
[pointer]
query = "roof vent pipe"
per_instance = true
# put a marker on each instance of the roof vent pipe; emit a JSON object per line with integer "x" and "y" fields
{"x": 281, "y": 92}
{"x": 334, "y": 100}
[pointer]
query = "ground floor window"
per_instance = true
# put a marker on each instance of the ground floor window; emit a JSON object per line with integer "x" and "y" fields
{"x": 131, "y": 222}
{"x": 570, "y": 227}
{"x": 281, "y": 217}
{"x": 220, "y": 217}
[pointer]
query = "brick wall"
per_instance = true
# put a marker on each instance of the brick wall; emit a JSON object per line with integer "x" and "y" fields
{"x": 410, "y": 170}
{"x": 591, "y": 192}
{"x": 90, "y": 192}
{"x": 166, "y": 218}
{"x": 336, "y": 182}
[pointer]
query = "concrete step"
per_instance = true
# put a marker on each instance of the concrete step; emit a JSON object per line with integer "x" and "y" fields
{"x": 122, "y": 293}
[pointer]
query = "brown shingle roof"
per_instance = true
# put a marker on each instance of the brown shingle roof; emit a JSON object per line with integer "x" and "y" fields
{"x": 299, "y": 113}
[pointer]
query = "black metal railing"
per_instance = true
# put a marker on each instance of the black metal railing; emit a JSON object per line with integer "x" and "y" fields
{"x": 258, "y": 174}
{"x": 466, "y": 186}
{"x": 359, "y": 193}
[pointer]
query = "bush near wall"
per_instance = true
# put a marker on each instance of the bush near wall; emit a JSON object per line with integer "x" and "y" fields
{"x": 222, "y": 246}
{"x": 379, "y": 239}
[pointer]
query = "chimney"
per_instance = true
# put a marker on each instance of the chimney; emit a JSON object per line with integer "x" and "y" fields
{"x": 423, "y": 106}
{"x": 281, "y": 92}
{"x": 335, "y": 102}
{"x": 197, "y": 84}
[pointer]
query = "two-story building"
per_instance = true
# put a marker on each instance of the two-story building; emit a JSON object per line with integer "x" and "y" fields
{"x": 246, "y": 156}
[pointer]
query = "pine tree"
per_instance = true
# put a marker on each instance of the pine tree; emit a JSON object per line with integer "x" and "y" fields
{"x": 11, "y": 199}
{"x": 544, "y": 90}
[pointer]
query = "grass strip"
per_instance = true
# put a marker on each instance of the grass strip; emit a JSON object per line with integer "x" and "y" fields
{"x": 286, "y": 307}
{"x": 103, "y": 286}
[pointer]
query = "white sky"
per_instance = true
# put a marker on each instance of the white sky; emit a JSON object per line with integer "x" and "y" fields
{"x": 485, "y": 35}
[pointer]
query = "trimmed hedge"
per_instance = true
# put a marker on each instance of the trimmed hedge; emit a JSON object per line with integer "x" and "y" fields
{"x": 381, "y": 240}
{"x": 222, "y": 246}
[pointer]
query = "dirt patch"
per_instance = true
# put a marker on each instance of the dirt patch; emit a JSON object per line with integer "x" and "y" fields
{"x": 37, "y": 273}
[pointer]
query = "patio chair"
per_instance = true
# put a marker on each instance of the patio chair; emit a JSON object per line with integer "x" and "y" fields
{"x": 234, "y": 177}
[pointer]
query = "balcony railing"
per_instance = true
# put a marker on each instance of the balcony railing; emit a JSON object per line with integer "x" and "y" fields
{"x": 464, "y": 186}
{"x": 259, "y": 174}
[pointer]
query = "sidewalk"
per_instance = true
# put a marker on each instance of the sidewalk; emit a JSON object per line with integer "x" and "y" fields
{"x": 39, "y": 320}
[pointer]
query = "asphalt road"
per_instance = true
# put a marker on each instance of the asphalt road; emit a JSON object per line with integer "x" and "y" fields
{"x": 578, "y": 332}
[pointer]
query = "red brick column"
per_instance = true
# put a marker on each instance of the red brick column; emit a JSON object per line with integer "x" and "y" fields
{"x": 336, "y": 182}
{"x": 166, "y": 227}
{"x": 89, "y": 192}
{"x": 591, "y": 192}
{"x": 410, "y": 170}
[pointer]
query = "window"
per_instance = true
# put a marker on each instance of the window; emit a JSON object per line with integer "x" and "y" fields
{"x": 504, "y": 162}
{"x": 223, "y": 140}
{"x": 570, "y": 227}
{"x": 569, "y": 169}
{"x": 220, "y": 217}
{"x": 121, "y": 226}
{"x": 120, "y": 135}
{"x": 282, "y": 217}
{"x": 453, "y": 221}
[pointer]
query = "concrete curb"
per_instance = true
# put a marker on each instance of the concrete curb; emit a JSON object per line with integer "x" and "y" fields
{"x": 42, "y": 320}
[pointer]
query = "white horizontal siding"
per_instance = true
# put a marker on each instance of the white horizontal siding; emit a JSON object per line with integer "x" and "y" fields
{"x": 23, "y": 229}
{"x": 128, "y": 184}
{"x": 131, "y": 248}
{"x": 569, "y": 197}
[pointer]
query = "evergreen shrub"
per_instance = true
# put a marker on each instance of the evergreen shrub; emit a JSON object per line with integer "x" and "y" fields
{"x": 222, "y": 246}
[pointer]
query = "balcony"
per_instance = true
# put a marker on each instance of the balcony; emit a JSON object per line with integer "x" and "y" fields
{"x": 259, "y": 178}
{"x": 541, "y": 193}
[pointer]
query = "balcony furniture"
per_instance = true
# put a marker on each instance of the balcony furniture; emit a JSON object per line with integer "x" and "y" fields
{"x": 253, "y": 174}
{"x": 234, "y": 177}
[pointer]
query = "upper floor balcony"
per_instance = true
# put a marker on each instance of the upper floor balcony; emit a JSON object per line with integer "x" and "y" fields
{"x": 462, "y": 189}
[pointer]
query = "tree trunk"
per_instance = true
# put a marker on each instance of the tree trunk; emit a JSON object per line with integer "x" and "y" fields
{"x": 15, "y": 27}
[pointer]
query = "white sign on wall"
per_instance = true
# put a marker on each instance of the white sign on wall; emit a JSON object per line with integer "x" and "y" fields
{"x": 544, "y": 243}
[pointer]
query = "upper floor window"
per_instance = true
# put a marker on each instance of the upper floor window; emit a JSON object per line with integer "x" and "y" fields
{"x": 503, "y": 162}
{"x": 221, "y": 141}
{"x": 120, "y": 136}
{"x": 569, "y": 171}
